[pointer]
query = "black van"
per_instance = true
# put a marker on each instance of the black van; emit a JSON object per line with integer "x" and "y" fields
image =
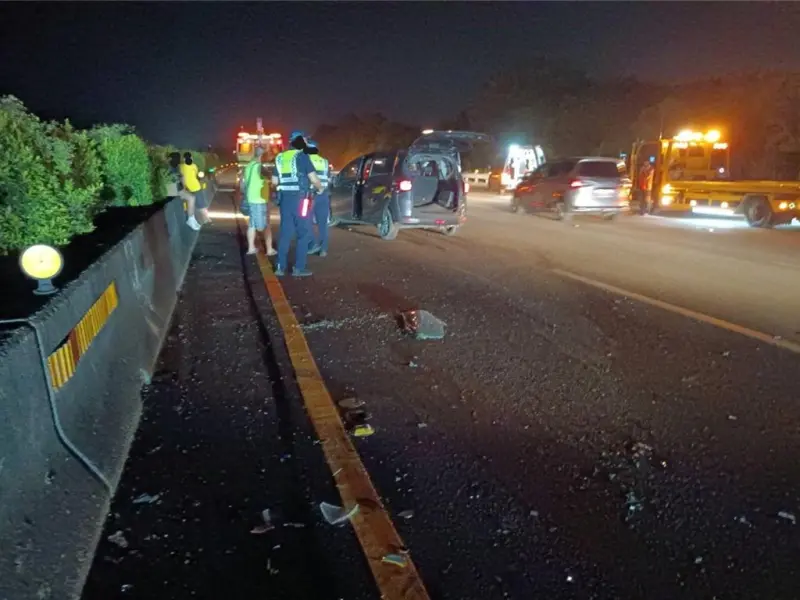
{"x": 417, "y": 187}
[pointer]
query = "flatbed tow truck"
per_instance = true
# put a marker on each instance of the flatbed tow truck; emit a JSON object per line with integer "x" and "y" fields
{"x": 691, "y": 175}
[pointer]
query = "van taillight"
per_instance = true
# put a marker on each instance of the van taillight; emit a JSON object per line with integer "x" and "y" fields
{"x": 576, "y": 183}
{"x": 404, "y": 186}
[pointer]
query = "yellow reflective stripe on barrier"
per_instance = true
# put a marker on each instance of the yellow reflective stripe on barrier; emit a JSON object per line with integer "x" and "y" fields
{"x": 64, "y": 360}
{"x": 372, "y": 524}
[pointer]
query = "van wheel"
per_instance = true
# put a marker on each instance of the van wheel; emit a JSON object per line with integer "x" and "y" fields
{"x": 450, "y": 231}
{"x": 759, "y": 213}
{"x": 387, "y": 228}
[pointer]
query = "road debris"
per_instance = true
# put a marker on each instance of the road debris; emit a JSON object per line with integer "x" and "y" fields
{"x": 395, "y": 559}
{"x": 336, "y": 515}
{"x": 422, "y": 325}
{"x": 363, "y": 430}
{"x": 146, "y": 499}
{"x": 118, "y": 539}
{"x": 267, "y": 526}
{"x": 406, "y": 514}
{"x": 270, "y": 569}
{"x": 350, "y": 403}
{"x": 788, "y": 516}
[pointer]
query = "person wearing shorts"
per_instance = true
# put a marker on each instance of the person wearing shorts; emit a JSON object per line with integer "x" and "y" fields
{"x": 191, "y": 185}
{"x": 259, "y": 208}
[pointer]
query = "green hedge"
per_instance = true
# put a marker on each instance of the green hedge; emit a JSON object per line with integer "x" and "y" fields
{"x": 54, "y": 179}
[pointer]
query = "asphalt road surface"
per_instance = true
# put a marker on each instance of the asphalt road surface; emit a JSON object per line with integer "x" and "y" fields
{"x": 562, "y": 440}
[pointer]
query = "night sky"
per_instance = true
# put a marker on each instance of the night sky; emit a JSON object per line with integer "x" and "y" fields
{"x": 191, "y": 73}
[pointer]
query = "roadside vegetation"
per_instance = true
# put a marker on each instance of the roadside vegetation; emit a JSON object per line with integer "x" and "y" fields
{"x": 55, "y": 179}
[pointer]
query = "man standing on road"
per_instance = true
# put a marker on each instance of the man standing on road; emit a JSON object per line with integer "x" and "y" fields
{"x": 296, "y": 178}
{"x": 259, "y": 208}
{"x": 322, "y": 203}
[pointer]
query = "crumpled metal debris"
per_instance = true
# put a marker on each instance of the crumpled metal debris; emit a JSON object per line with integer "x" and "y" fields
{"x": 788, "y": 516}
{"x": 422, "y": 325}
{"x": 336, "y": 515}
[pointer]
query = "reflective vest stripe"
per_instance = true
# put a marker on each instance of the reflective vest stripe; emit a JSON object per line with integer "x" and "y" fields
{"x": 322, "y": 167}
{"x": 286, "y": 166}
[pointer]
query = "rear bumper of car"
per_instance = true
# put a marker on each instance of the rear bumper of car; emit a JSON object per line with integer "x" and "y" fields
{"x": 428, "y": 222}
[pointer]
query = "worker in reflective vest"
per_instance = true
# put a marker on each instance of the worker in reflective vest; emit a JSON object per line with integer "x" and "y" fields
{"x": 322, "y": 203}
{"x": 296, "y": 180}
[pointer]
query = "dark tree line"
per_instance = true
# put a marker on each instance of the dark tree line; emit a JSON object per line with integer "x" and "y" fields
{"x": 569, "y": 112}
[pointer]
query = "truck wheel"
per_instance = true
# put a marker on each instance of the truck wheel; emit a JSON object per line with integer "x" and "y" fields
{"x": 387, "y": 228}
{"x": 759, "y": 213}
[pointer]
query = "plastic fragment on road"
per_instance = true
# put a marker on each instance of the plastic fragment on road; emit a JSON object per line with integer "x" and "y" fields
{"x": 422, "y": 325}
{"x": 270, "y": 569}
{"x": 395, "y": 559}
{"x": 267, "y": 526}
{"x": 356, "y": 417}
{"x": 351, "y": 403}
{"x": 118, "y": 539}
{"x": 336, "y": 515}
{"x": 788, "y": 516}
{"x": 146, "y": 499}
{"x": 363, "y": 430}
{"x": 406, "y": 514}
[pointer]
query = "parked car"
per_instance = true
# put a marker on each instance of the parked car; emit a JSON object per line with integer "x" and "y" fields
{"x": 416, "y": 187}
{"x": 594, "y": 185}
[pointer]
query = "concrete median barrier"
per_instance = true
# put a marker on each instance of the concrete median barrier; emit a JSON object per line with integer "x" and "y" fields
{"x": 62, "y": 452}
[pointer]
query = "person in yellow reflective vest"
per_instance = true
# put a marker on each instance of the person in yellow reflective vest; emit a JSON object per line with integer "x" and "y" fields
{"x": 191, "y": 186}
{"x": 253, "y": 189}
{"x": 322, "y": 203}
{"x": 296, "y": 180}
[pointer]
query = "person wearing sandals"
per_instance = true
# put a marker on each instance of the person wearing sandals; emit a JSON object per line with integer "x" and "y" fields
{"x": 257, "y": 204}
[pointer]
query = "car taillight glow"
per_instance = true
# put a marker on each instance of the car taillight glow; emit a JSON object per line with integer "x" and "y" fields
{"x": 576, "y": 183}
{"x": 404, "y": 186}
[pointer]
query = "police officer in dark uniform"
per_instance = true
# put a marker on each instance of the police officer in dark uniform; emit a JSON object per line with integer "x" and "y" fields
{"x": 322, "y": 203}
{"x": 297, "y": 181}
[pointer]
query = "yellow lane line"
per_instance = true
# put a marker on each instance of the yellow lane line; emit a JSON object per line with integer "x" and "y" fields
{"x": 372, "y": 524}
{"x": 697, "y": 316}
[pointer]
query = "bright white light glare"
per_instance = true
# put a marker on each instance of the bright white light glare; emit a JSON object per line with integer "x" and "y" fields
{"x": 513, "y": 148}
{"x": 713, "y": 211}
{"x": 230, "y": 216}
{"x": 427, "y": 131}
